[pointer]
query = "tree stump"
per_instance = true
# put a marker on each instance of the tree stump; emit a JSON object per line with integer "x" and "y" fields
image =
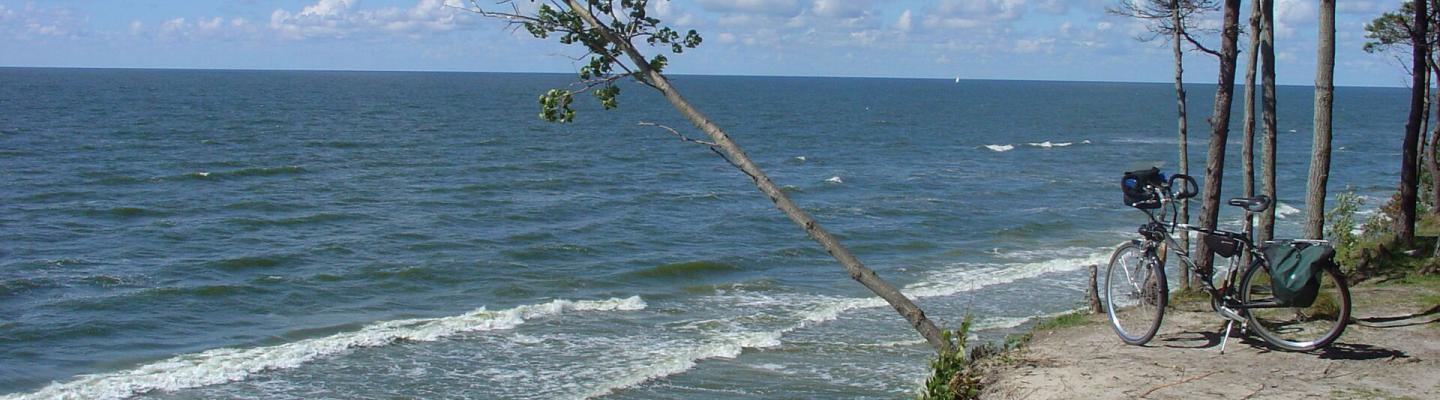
{"x": 1092, "y": 295}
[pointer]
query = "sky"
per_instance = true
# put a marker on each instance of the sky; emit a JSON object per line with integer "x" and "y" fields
{"x": 1067, "y": 40}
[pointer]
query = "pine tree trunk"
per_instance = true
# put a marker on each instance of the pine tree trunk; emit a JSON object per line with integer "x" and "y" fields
{"x": 1247, "y": 148}
{"x": 1219, "y": 128}
{"x": 852, "y": 265}
{"x": 1266, "y": 226}
{"x": 1431, "y": 154}
{"x": 1409, "y": 178}
{"x": 1181, "y": 111}
{"x": 1324, "y": 103}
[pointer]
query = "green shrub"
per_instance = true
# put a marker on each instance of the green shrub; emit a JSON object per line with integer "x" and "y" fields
{"x": 1340, "y": 224}
{"x": 954, "y": 375}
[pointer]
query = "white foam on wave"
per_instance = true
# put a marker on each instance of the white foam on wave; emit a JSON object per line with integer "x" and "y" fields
{"x": 677, "y": 360}
{"x": 821, "y": 309}
{"x": 1285, "y": 210}
{"x": 1000, "y": 148}
{"x": 231, "y": 364}
{"x": 835, "y": 179}
{"x": 1048, "y": 144}
{"x": 953, "y": 281}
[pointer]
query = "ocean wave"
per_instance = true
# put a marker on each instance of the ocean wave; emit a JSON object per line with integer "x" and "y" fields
{"x": 124, "y": 213}
{"x": 1048, "y": 144}
{"x": 267, "y": 171}
{"x": 1000, "y": 148}
{"x": 116, "y": 180}
{"x": 835, "y": 179}
{"x": 675, "y": 361}
{"x": 233, "y": 364}
{"x": 958, "y": 280}
{"x": 21, "y": 285}
{"x": 319, "y": 218}
{"x": 249, "y": 262}
{"x": 686, "y": 270}
{"x": 1283, "y": 210}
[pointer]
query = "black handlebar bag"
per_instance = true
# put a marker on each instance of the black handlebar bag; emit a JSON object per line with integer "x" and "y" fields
{"x": 1133, "y": 185}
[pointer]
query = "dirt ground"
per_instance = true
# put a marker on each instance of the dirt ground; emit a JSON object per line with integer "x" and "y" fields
{"x": 1392, "y": 351}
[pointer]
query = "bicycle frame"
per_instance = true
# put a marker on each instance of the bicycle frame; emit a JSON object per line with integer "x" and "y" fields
{"x": 1162, "y": 230}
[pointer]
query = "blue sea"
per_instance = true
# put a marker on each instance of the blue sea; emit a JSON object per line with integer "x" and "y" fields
{"x": 177, "y": 234}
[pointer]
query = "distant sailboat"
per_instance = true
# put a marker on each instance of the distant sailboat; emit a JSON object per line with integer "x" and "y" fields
{"x": 957, "y": 78}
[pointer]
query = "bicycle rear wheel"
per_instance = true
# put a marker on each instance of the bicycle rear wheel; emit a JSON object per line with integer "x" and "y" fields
{"x": 1297, "y": 328}
{"x": 1135, "y": 293}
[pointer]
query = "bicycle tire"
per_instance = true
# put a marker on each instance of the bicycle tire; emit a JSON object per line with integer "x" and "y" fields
{"x": 1135, "y": 306}
{"x": 1297, "y": 328}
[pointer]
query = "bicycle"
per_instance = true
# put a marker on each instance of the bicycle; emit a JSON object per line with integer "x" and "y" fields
{"x": 1136, "y": 290}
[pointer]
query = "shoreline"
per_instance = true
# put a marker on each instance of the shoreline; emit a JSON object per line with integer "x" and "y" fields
{"x": 1379, "y": 356}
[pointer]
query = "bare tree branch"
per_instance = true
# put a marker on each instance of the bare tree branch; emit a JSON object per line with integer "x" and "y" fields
{"x": 678, "y": 134}
{"x": 1197, "y": 44}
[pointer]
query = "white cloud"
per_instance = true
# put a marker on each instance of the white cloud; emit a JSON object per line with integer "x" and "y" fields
{"x": 842, "y": 8}
{"x": 1291, "y": 15}
{"x": 969, "y": 14}
{"x": 670, "y": 13}
{"x": 1040, "y": 45}
{"x": 32, "y": 22}
{"x": 1053, "y": 6}
{"x": 904, "y": 24}
{"x": 344, "y": 18}
{"x": 1368, "y": 8}
{"x": 773, "y": 8}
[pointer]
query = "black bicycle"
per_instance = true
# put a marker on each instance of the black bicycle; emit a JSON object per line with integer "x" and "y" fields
{"x": 1291, "y": 294}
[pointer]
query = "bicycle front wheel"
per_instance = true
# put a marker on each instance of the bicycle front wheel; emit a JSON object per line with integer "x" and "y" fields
{"x": 1135, "y": 293}
{"x": 1296, "y": 328}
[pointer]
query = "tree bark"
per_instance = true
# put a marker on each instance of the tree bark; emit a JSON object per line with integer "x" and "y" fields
{"x": 1181, "y": 112}
{"x": 736, "y": 156}
{"x": 1219, "y": 127}
{"x": 1409, "y": 178}
{"x": 1433, "y": 155}
{"x": 1324, "y": 103}
{"x": 1266, "y": 226}
{"x": 1247, "y": 147}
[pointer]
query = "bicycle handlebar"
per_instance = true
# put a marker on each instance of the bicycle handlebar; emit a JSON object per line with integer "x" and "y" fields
{"x": 1188, "y": 189}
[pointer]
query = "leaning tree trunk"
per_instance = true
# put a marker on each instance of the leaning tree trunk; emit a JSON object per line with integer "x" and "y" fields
{"x": 1247, "y": 148}
{"x": 1324, "y": 103}
{"x": 1219, "y": 128}
{"x": 857, "y": 270}
{"x": 1266, "y": 227}
{"x": 1409, "y": 179}
{"x": 1181, "y": 112}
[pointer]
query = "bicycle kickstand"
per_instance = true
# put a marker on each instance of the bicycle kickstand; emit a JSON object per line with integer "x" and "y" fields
{"x": 1223, "y": 339}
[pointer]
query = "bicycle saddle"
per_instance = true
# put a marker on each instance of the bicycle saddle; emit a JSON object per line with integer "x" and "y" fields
{"x": 1252, "y": 204}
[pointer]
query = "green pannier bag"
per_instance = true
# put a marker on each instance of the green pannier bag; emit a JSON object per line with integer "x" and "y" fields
{"x": 1295, "y": 270}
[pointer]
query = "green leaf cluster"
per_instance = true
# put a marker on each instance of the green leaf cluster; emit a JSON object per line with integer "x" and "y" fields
{"x": 1340, "y": 224}
{"x": 555, "y": 106}
{"x": 1391, "y": 30}
{"x": 953, "y": 374}
{"x": 625, "y": 22}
